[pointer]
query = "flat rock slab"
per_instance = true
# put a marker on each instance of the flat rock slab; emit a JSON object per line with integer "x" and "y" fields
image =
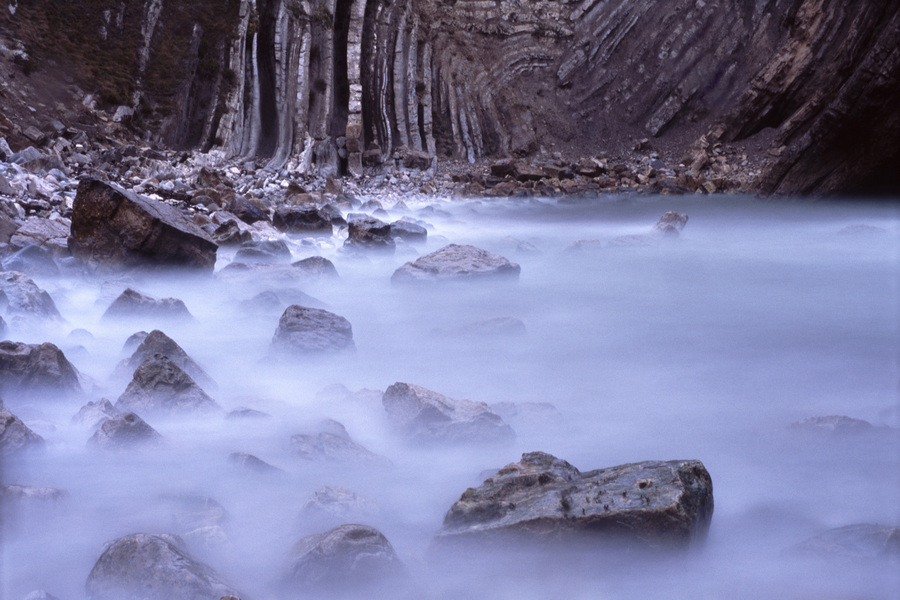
{"x": 456, "y": 262}
{"x": 113, "y": 227}
{"x": 154, "y": 567}
{"x": 160, "y": 386}
{"x": 424, "y": 416}
{"x": 652, "y": 504}
{"x": 303, "y": 330}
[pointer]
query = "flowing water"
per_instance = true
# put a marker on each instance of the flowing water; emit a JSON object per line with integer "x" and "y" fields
{"x": 707, "y": 346}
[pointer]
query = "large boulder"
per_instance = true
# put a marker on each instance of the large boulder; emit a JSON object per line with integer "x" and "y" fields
{"x": 652, "y": 504}
{"x": 46, "y": 233}
{"x": 365, "y": 232}
{"x": 158, "y": 342}
{"x": 303, "y": 330}
{"x": 153, "y": 567}
{"x": 263, "y": 251}
{"x": 15, "y": 436}
{"x": 24, "y": 300}
{"x": 424, "y": 416}
{"x": 292, "y": 219}
{"x": 113, "y": 227}
{"x": 34, "y": 369}
{"x": 344, "y": 557}
{"x": 160, "y": 386}
{"x": 456, "y": 262}
{"x": 133, "y": 304}
{"x": 124, "y": 432}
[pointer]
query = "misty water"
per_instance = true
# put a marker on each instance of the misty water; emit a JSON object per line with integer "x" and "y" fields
{"x": 706, "y": 346}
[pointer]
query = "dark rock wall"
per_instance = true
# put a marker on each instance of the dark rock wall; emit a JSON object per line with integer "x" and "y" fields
{"x": 312, "y": 84}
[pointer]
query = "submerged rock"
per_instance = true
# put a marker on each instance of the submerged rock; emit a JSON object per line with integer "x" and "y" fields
{"x": 35, "y": 369}
{"x": 23, "y": 299}
{"x": 153, "y": 567}
{"x": 15, "y": 436}
{"x": 455, "y": 262}
{"x": 113, "y": 227}
{"x": 671, "y": 224}
{"x": 248, "y": 462}
{"x": 133, "y": 304}
{"x": 837, "y": 424}
{"x": 157, "y": 342}
{"x": 303, "y": 330}
{"x": 368, "y": 233}
{"x": 337, "y": 503}
{"x": 421, "y": 415}
{"x": 332, "y": 443}
{"x": 860, "y": 541}
{"x": 344, "y": 557}
{"x": 94, "y": 413}
{"x": 652, "y": 504}
{"x": 159, "y": 385}
{"x": 123, "y": 432}
{"x": 263, "y": 251}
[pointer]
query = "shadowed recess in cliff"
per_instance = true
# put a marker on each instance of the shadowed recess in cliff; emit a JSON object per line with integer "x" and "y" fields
{"x": 265, "y": 57}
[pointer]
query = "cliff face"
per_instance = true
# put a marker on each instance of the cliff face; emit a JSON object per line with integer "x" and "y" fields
{"x": 312, "y": 84}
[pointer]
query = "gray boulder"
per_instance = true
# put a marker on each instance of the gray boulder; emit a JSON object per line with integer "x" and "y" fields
{"x": 24, "y": 300}
{"x": 133, "y": 304}
{"x": 153, "y": 567}
{"x": 15, "y": 436}
{"x": 303, "y": 330}
{"x": 160, "y": 386}
{"x": 263, "y": 251}
{"x": 653, "y": 504}
{"x": 316, "y": 266}
{"x": 425, "y": 416}
{"x": 94, "y": 413}
{"x": 332, "y": 444}
{"x": 409, "y": 231}
{"x": 36, "y": 369}
{"x": 456, "y": 262}
{"x": 124, "y": 432}
{"x": 344, "y": 557}
{"x": 45, "y": 233}
{"x": 293, "y": 219}
{"x": 334, "y": 503}
{"x": 365, "y": 232}
{"x": 157, "y": 342}
{"x": 113, "y": 227}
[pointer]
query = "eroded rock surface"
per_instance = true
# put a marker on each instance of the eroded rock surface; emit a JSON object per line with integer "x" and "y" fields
{"x": 160, "y": 386}
{"x": 650, "y": 504}
{"x": 157, "y": 342}
{"x": 23, "y": 299}
{"x": 303, "y": 330}
{"x": 125, "y": 431}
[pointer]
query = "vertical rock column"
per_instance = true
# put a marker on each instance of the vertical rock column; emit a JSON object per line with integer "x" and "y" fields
{"x": 354, "y": 76}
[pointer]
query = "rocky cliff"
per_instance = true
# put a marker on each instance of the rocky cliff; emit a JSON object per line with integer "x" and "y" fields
{"x": 809, "y": 88}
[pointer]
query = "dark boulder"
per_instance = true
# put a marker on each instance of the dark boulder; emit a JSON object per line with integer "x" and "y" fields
{"x": 291, "y": 219}
{"x": 153, "y": 567}
{"x": 304, "y": 330}
{"x": 344, "y": 557}
{"x": 113, "y": 227}
{"x": 652, "y": 504}
{"x": 369, "y": 233}
{"x": 157, "y": 342}
{"x": 159, "y": 385}
{"x": 455, "y": 262}
{"x": 15, "y": 436}
{"x": 423, "y": 416}
{"x": 124, "y": 432}
{"x": 35, "y": 369}
{"x": 133, "y": 304}
{"x": 247, "y": 211}
{"x": 230, "y": 233}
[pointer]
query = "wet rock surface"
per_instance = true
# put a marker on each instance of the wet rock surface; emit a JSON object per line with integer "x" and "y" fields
{"x": 124, "y": 431}
{"x": 36, "y": 369}
{"x": 135, "y": 305}
{"x": 456, "y": 262}
{"x": 303, "y": 330}
{"x": 542, "y": 498}
{"x": 157, "y": 342}
{"x": 160, "y": 386}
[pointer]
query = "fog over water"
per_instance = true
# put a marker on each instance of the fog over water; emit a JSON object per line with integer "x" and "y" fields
{"x": 707, "y": 346}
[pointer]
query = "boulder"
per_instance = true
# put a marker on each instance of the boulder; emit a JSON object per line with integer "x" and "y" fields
{"x": 365, "y": 232}
{"x": 8, "y": 227}
{"x": 94, "y": 413}
{"x": 337, "y": 503}
{"x": 248, "y": 462}
{"x": 263, "y": 251}
{"x": 35, "y": 369}
{"x": 133, "y": 304}
{"x": 671, "y": 224}
{"x": 159, "y": 385}
{"x": 293, "y": 219}
{"x": 332, "y": 444}
{"x": 15, "y": 436}
{"x": 422, "y": 416}
{"x": 124, "y": 432}
{"x": 46, "y": 233}
{"x": 456, "y": 262}
{"x": 836, "y": 424}
{"x": 32, "y": 259}
{"x": 317, "y": 266}
{"x": 274, "y": 302}
{"x": 246, "y": 211}
{"x": 304, "y": 330}
{"x": 652, "y": 504}
{"x": 346, "y": 556}
{"x": 113, "y": 227}
{"x": 407, "y": 230}
{"x": 24, "y": 299}
{"x": 415, "y": 159}
{"x": 230, "y": 233}
{"x": 153, "y": 567}
{"x": 860, "y": 541}
{"x": 157, "y": 342}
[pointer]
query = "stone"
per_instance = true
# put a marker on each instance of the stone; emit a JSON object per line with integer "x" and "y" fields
{"x": 15, "y": 436}
{"x": 132, "y": 304}
{"x": 160, "y": 386}
{"x": 248, "y": 462}
{"x": 835, "y": 424}
{"x": 294, "y": 219}
{"x": 859, "y": 541}
{"x": 332, "y": 444}
{"x": 408, "y": 231}
{"x": 275, "y": 302}
{"x": 94, "y": 413}
{"x": 8, "y": 228}
{"x": 369, "y": 233}
{"x": 112, "y": 227}
{"x": 456, "y": 262}
{"x": 24, "y": 300}
{"x": 47, "y": 233}
{"x": 157, "y": 342}
{"x": 416, "y": 159}
{"x": 246, "y": 211}
{"x": 153, "y": 567}
{"x": 303, "y": 330}
{"x": 316, "y": 266}
{"x": 134, "y": 341}
{"x": 372, "y": 158}
{"x": 125, "y": 431}
{"x": 424, "y": 416}
{"x": 5, "y": 188}
{"x": 33, "y": 259}
{"x": 37, "y": 370}
{"x": 34, "y": 134}
{"x": 230, "y": 233}
{"x": 542, "y": 499}
{"x": 671, "y": 224}
{"x": 264, "y": 251}
{"x": 337, "y": 503}
{"x": 344, "y": 557}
